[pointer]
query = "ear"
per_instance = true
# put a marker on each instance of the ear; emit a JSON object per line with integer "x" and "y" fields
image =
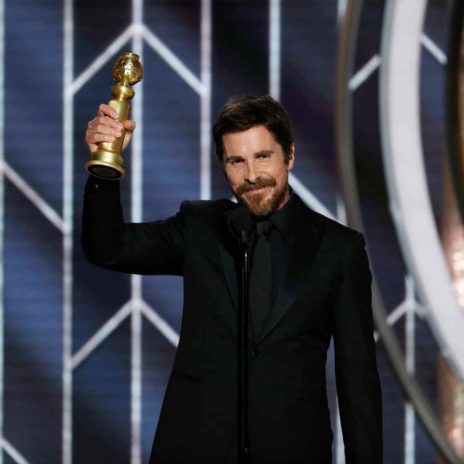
{"x": 291, "y": 158}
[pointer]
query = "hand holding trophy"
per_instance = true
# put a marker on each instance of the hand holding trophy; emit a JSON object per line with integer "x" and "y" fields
{"x": 108, "y": 129}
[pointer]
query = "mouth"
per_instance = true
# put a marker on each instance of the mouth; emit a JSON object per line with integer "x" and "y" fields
{"x": 257, "y": 190}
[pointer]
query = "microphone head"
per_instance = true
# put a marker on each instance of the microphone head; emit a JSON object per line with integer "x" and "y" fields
{"x": 240, "y": 223}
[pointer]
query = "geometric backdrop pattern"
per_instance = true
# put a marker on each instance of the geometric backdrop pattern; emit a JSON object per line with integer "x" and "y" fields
{"x": 85, "y": 353}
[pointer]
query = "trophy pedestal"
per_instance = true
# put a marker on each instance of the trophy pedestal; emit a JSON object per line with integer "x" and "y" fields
{"x": 105, "y": 165}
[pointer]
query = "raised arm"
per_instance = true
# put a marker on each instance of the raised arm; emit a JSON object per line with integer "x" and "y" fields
{"x": 145, "y": 248}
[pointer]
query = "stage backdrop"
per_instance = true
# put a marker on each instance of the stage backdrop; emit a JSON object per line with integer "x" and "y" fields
{"x": 86, "y": 353}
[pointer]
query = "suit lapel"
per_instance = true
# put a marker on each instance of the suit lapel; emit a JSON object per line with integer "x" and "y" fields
{"x": 229, "y": 252}
{"x": 303, "y": 248}
{"x": 230, "y": 274}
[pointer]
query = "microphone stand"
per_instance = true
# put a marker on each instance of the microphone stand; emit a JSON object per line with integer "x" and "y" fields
{"x": 242, "y": 384}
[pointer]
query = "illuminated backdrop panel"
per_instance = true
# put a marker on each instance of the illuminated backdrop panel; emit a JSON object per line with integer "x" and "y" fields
{"x": 87, "y": 353}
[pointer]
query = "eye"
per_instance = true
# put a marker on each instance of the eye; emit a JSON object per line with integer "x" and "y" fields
{"x": 234, "y": 161}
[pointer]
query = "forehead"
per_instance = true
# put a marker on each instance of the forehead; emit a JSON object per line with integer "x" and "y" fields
{"x": 252, "y": 140}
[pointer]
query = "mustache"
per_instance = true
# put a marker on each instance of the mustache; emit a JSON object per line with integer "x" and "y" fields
{"x": 259, "y": 183}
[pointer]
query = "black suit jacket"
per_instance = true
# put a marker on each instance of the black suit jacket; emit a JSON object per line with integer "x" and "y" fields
{"x": 325, "y": 293}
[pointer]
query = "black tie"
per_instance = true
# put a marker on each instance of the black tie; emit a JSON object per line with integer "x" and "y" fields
{"x": 261, "y": 278}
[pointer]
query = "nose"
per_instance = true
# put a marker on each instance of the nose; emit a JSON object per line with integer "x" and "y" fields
{"x": 252, "y": 173}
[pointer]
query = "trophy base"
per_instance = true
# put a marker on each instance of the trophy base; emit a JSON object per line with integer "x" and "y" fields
{"x": 104, "y": 169}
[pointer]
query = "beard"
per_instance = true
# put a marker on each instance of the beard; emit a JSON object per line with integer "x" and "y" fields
{"x": 261, "y": 204}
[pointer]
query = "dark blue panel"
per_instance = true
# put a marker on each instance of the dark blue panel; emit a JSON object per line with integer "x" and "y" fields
{"x": 426, "y": 353}
{"x": 158, "y": 355}
{"x": 436, "y": 23}
{"x": 433, "y": 119}
{"x": 240, "y": 59}
{"x": 308, "y": 76}
{"x": 33, "y": 322}
{"x": 171, "y": 171}
{"x": 98, "y": 294}
{"x": 369, "y": 33}
{"x": 380, "y": 232}
{"x": 101, "y": 400}
{"x": 33, "y": 95}
{"x": 177, "y": 24}
{"x": 171, "y": 163}
{"x": 96, "y": 25}
{"x": 393, "y": 410}
{"x": 165, "y": 295}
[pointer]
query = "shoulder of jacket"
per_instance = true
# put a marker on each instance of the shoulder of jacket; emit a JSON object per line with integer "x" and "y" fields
{"x": 206, "y": 207}
{"x": 336, "y": 230}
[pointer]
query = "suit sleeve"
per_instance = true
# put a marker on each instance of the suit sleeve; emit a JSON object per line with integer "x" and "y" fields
{"x": 142, "y": 248}
{"x": 358, "y": 385}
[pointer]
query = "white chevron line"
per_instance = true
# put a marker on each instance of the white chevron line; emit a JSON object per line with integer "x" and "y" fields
{"x": 136, "y": 280}
{"x": 410, "y": 361}
{"x": 32, "y": 195}
{"x": 172, "y": 60}
{"x": 136, "y": 386}
{"x": 408, "y": 304}
{"x": 341, "y": 11}
{"x": 364, "y": 73}
{"x": 169, "y": 333}
{"x": 309, "y": 198}
{"x": 274, "y": 48}
{"x": 12, "y": 452}
{"x": 104, "y": 332}
{"x": 101, "y": 60}
{"x": 433, "y": 49}
{"x": 68, "y": 175}
{"x": 205, "y": 101}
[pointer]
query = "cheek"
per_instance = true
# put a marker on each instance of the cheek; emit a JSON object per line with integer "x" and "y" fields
{"x": 232, "y": 179}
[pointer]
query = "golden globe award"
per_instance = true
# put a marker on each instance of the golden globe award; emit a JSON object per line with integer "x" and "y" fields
{"x": 107, "y": 162}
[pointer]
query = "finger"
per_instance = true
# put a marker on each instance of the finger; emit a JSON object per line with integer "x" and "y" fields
{"x": 105, "y": 125}
{"x": 106, "y": 110}
{"x": 108, "y": 130}
{"x": 102, "y": 133}
{"x": 130, "y": 125}
{"x": 93, "y": 139}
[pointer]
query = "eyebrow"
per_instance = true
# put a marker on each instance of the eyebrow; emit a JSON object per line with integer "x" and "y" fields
{"x": 258, "y": 153}
{"x": 264, "y": 152}
{"x": 233, "y": 158}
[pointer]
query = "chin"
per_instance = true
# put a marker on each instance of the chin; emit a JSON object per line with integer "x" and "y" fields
{"x": 264, "y": 203}
{"x": 261, "y": 211}
{"x": 260, "y": 206}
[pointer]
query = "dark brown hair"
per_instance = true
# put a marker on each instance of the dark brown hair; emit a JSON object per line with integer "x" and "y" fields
{"x": 243, "y": 112}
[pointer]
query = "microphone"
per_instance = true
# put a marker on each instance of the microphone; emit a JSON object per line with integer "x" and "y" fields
{"x": 240, "y": 224}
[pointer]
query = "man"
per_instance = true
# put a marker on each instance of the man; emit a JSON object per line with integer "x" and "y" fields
{"x": 318, "y": 287}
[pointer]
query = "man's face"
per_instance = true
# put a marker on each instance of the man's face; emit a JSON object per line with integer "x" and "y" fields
{"x": 255, "y": 167}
